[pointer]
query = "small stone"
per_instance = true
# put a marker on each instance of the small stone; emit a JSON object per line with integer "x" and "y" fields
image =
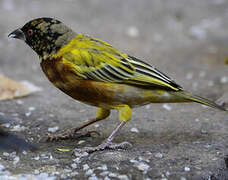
{"x": 20, "y": 102}
{"x": 103, "y": 167}
{"x": 36, "y": 171}
{"x": 94, "y": 177}
{"x": 24, "y": 152}
{"x": 105, "y": 173}
{"x": 85, "y": 167}
{"x": 6, "y": 154}
{"x": 123, "y": 177}
{"x": 89, "y": 172}
{"x": 96, "y": 125}
{"x": 196, "y": 120}
{"x": 187, "y": 169}
{"x": 112, "y": 175}
{"x": 31, "y": 108}
{"x": 74, "y": 166}
{"x": 107, "y": 178}
{"x": 27, "y": 114}
{"x": 135, "y": 130}
{"x": 16, "y": 160}
{"x": 37, "y": 158}
{"x": 203, "y": 131}
{"x": 53, "y": 129}
{"x": 183, "y": 178}
{"x": 167, "y": 107}
{"x": 18, "y": 128}
{"x": 133, "y": 161}
{"x": 81, "y": 141}
{"x": 143, "y": 166}
{"x": 167, "y": 173}
{"x": 158, "y": 155}
{"x": 6, "y": 125}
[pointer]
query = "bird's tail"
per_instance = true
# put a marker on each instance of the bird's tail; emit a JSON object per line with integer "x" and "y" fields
{"x": 190, "y": 97}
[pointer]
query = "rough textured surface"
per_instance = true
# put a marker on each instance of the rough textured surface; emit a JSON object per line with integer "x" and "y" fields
{"x": 186, "y": 39}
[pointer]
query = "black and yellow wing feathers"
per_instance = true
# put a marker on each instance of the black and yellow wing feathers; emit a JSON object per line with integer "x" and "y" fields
{"x": 96, "y": 60}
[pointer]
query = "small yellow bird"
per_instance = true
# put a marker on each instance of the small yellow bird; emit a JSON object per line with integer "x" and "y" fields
{"x": 93, "y": 72}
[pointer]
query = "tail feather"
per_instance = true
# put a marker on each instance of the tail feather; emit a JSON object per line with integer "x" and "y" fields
{"x": 198, "y": 99}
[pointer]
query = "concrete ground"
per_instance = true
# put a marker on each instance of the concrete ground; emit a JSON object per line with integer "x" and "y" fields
{"x": 187, "y": 39}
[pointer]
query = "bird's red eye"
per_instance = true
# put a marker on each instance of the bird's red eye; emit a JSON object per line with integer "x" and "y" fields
{"x": 30, "y": 32}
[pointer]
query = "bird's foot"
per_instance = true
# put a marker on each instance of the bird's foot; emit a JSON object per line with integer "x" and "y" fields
{"x": 70, "y": 134}
{"x": 223, "y": 101}
{"x": 105, "y": 145}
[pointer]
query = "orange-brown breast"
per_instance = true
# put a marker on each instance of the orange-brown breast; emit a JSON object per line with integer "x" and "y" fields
{"x": 88, "y": 91}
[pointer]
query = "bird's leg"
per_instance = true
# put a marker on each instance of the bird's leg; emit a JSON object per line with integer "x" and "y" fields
{"x": 72, "y": 133}
{"x": 223, "y": 101}
{"x": 124, "y": 116}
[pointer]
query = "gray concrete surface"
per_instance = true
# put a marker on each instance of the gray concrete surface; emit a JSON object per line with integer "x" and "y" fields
{"x": 187, "y": 39}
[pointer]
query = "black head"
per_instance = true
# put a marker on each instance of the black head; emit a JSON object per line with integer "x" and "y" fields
{"x": 44, "y": 35}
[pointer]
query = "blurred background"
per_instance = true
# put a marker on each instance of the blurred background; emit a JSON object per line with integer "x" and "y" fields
{"x": 186, "y": 39}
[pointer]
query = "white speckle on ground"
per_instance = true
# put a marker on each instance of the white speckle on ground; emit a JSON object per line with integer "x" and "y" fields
{"x": 158, "y": 155}
{"x": 27, "y": 114}
{"x": 85, "y": 167}
{"x": 103, "y": 167}
{"x": 167, "y": 107}
{"x": 53, "y": 129}
{"x": 74, "y": 165}
{"x": 18, "y": 128}
{"x": 20, "y": 102}
{"x": 186, "y": 169}
{"x": 31, "y": 108}
{"x": 143, "y": 166}
{"x": 81, "y": 141}
{"x": 224, "y": 80}
{"x": 133, "y": 31}
{"x": 135, "y": 130}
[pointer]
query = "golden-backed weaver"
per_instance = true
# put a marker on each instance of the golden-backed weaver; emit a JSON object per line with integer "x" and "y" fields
{"x": 93, "y": 72}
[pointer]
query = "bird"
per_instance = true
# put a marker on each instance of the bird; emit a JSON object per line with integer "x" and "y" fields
{"x": 11, "y": 142}
{"x": 95, "y": 73}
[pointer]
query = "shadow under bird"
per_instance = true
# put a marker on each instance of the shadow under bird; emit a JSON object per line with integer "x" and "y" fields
{"x": 94, "y": 72}
{"x": 11, "y": 142}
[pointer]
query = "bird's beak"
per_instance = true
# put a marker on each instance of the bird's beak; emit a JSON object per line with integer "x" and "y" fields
{"x": 18, "y": 34}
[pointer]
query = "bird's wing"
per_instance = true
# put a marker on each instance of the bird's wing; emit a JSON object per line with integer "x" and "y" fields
{"x": 96, "y": 60}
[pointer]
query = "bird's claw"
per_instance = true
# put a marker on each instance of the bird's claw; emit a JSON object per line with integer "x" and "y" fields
{"x": 105, "y": 145}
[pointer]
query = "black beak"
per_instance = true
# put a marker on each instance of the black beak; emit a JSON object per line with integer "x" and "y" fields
{"x": 18, "y": 34}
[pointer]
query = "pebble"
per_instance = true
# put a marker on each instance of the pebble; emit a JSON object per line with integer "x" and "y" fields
{"x": 31, "y": 108}
{"x": 27, "y": 114}
{"x": 20, "y": 102}
{"x": 85, "y": 167}
{"x": 167, "y": 107}
{"x": 74, "y": 165}
{"x": 105, "y": 173}
{"x": 135, "y": 130}
{"x": 53, "y": 129}
{"x": 186, "y": 169}
{"x": 103, "y": 167}
{"x": 36, "y": 171}
{"x": 81, "y": 141}
{"x": 123, "y": 177}
{"x": 89, "y": 172}
{"x": 18, "y": 128}
{"x": 37, "y": 158}
{"x": 143, "y": 166}
{"x": 183, "y": 178}
{"x": 96, "y": 125}
{"x": 113, "y": 175}
{"x": 6, "y": 154}
{"x": 106, "y": 178}
{"x": 16, "y": 160}
{"x": 158, "y": 155}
